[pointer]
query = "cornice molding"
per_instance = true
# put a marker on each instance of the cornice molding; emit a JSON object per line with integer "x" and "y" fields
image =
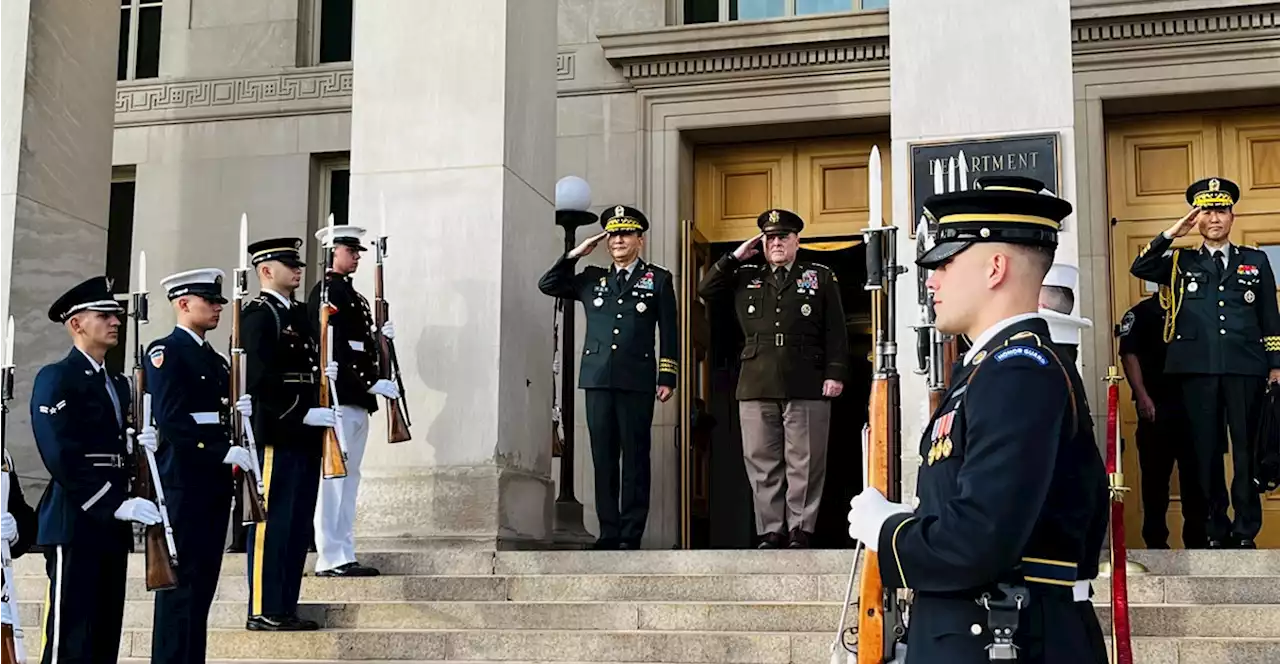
{"x": 301, "y": 91}
{"x": 1236, "y": 23}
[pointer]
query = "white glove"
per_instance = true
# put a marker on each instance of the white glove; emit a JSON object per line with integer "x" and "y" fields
{"x": 331, "y": 370}
{"x": 9, "y": 528}
{"x": 388, "y": 330}
{"x": 867, "y": 513}
{"x": 245, "y": 405}
{"x": 320, "y": 417}
{"x": 385, "y": 388}
{"x": 238, "y": 456}
{"x": 139, "y": 509}
{"x": 148, "y": 438}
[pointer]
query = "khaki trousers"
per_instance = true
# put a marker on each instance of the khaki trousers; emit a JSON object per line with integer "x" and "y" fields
{"x": 785, "y": 439}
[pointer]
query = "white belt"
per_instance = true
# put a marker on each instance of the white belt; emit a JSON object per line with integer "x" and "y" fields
{"x": 1080, "y": 591}
{"x": 205, "y": 418}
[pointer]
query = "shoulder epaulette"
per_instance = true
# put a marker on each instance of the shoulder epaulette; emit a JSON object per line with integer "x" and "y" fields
{"x": 655, "y": 265}
{"x": 819, "y": 265}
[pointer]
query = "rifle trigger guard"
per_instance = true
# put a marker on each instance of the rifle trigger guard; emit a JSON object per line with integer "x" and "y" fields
{"x": 1002, "y": 621}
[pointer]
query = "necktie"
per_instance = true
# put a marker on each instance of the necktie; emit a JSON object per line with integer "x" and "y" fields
{"x": 115, "y": 399}
{"x": 780, "y": 277}
{"x": 621, "y": 278}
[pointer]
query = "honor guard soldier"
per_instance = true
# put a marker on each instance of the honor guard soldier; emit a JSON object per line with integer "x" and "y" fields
{"x": 1162, "y": 429}
{"x": 619, "y": 369}
{"x": 282, "y": 377}
{"x": 1012, "y": 489}
{"x": 18, "y": 524}
{"x": 355, "y": 349}
{"x": 1057, "y": 301}
{"x": 793, "y": 363}
{"x": 188, "y": 382}
{"x": 1223, "y": 333}
{"x": 80, "y": 415}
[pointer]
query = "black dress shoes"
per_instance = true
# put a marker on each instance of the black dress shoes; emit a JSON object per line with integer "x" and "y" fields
{"x": 350, "y": 569}
{"x": 280, "y": 624}
{"x": 606, "y": 544}
{"x": 772, "y": 541}
{"x": 799, "y": 539}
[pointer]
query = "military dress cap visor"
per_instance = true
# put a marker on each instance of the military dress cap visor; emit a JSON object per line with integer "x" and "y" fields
{"x": 205, "y": 283}
{"x": 90, "y": 295}
{"x": 779, "y": 222}
{"x": 348, "y": 235}
{"x": 999, "y": 209}
{"x": 282, "y": 249}
{"x": 1213, "y": 193}
{"x": 623, "y": 219}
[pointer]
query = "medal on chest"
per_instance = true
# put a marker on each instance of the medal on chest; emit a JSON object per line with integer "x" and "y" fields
{"x": 940, "y": 445}
{"x": 1249, "y": 296}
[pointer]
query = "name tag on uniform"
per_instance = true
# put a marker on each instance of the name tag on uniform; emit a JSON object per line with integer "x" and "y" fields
{"x": 755, "y": 283}
{"x": 357, "y": 346}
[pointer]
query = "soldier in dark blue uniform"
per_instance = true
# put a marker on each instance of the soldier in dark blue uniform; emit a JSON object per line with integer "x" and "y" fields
{"x": 80, "y": 414}
{"x": 1012, "y": 489}
{"x": 619, "y": 369}
{"x": 1223, "y": 333}
{"x": 189, "y": 383}
{"x": 1162, "y": 429}
{"x": 283, "y": 378}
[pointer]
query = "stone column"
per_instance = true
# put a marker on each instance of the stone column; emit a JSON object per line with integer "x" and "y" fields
{"x": 453, "y": 133}
{"x": 57, "y": 92}
{"x": 965, "y": 70}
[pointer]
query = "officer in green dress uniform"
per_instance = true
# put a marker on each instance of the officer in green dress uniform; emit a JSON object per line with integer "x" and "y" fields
{"x": 1012, "y": 489}
{"x": 625, "y": 304}
{"x": 794, "y": 361}
{"x": 1223, "y": 333}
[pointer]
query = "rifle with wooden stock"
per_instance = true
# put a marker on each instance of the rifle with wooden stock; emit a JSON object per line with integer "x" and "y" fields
{"x": 333, "y": 463}
{"x": 161, "y": 550}
{"x": 880, "y": 617}
{"x": 936, "y": 353}
{"x": 388, "y": 364}
{"x": 253, "y": 501}
{"x": 11, "y": 634}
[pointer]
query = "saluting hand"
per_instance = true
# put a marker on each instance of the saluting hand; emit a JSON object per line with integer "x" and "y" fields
{"x": 588, "y": 245}
{"x": 748, "y": 249}
{"x": 1185, "y": 224}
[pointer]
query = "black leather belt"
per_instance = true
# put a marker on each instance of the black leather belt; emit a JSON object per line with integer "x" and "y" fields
{"x": 299, "y": 378}
{"x": 780, "y": 339}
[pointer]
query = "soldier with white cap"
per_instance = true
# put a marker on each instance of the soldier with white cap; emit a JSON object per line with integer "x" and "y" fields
{"x": 1057, "y": 300}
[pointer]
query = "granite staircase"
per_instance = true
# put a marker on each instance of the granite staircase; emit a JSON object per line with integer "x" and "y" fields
{"x": 775, "y": 607}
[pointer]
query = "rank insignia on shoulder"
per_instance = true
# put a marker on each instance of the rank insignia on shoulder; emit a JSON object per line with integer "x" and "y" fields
{"x": 1022, "y": 351}
{"x": 157, "y": 356}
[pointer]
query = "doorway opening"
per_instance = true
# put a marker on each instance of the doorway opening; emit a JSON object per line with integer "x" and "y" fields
{"x": 723, "y": 516}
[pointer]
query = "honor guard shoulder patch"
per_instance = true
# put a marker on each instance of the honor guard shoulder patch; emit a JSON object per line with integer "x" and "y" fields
{"x": 157, "y": 356}
{"x": 1022, "y": 351}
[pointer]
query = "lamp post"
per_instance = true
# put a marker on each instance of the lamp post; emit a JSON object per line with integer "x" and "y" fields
{"x": 573, "y": 198}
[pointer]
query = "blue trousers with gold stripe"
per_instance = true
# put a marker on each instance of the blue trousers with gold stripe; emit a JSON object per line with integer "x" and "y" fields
{"x": 84, "y": 610}
{"x": 278, "y": 548}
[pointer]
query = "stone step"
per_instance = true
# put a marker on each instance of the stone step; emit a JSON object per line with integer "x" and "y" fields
{"x": 504, "y": 563}
{"x": 609, "y": 587}
{"x": 1154, "y": 589}
{"x": 506, "y": 645}
{"x": 1203, "y": 562}
{"x": 617, "y": 647}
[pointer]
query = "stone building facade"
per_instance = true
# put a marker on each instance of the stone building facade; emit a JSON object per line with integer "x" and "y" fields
{"x": 449, "y": 116}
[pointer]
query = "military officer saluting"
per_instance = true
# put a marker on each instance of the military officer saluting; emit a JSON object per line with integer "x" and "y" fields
{"x": 80, "y": 415}
{"x": 1223, "y": 333}
{"x": 624, "y": 304}
{"x": 355, "y": 349}
{"x": 1012, "y": 490}
{"x": 188, "y": 382}
{"x": 282, "y": 376}
{"x": 793, "y": 362}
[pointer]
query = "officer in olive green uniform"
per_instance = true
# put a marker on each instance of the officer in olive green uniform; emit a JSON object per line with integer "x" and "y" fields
{"x": 619, "y": 369}
{"x": 794, "y": 361}
{"x": 1224, "y": 344}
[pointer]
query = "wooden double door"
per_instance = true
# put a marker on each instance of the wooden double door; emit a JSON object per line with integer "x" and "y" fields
{"x": 825, "y": 181}
{"x": 1150, "y": 162}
